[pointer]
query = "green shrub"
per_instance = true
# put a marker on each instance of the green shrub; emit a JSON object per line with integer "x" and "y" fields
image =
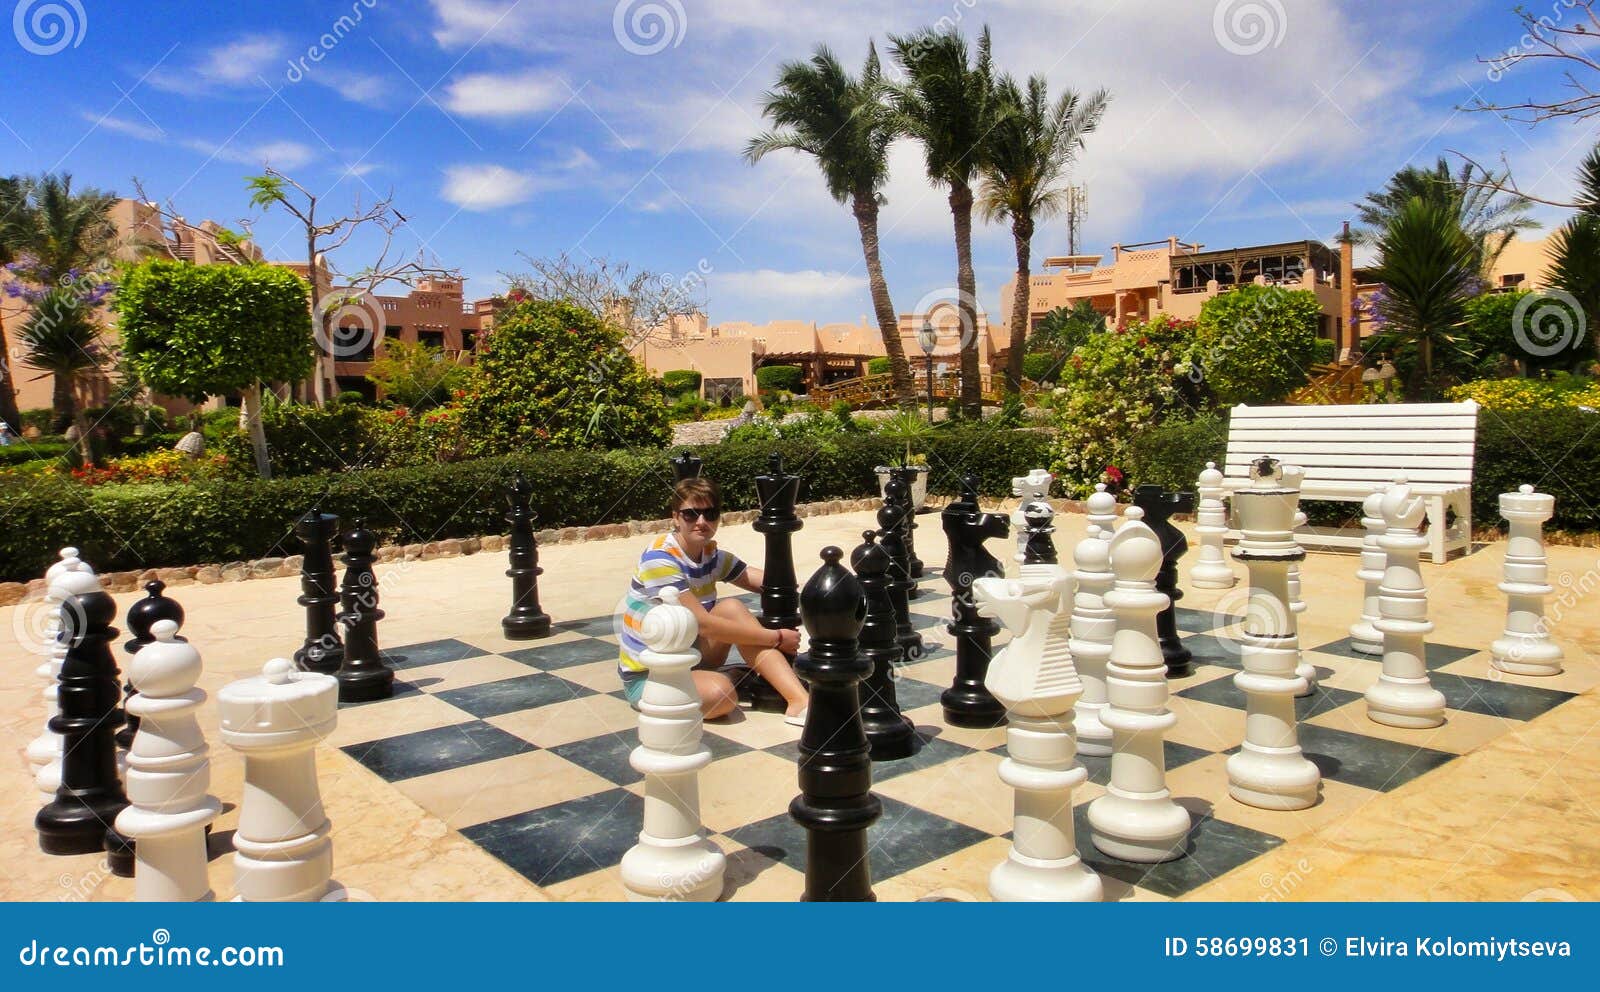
{"x": 305, "y": 440}
{"x": 680, "y": 381}
{"x": 1324, "y": 350}
{"x": 878, "y": 366}
{"x": 1173, "y": 454}
{"x": 1556, "y": 450}
{"x": 1041, "y": 367}
{"x": 780, "y": 378}
{"x": 27, "y": 451}
{"x": 1256, "y": 343}
{"x": 1560, "y": 392}
{"x": 39, "y": 419}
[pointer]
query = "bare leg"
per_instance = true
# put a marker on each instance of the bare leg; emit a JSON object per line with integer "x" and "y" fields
{"x": 768, "y": 662}
{"x": 717, "y": 695}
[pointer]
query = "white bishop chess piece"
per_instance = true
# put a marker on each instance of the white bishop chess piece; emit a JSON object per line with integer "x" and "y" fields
{"x": 1403, "y": 696}
{"x": 674, "y": 860}
{"x": 1033, "y": 677}
{"x": 1211, "y": 570}
{"x": 1028, "y": 488}
{"x": 1093, "y": 626}
{"x": 44, "y": 751}
{"x": 169, "y": 771}
{"x": 1364, "y": 637}
{"x": 1526, "y": 648}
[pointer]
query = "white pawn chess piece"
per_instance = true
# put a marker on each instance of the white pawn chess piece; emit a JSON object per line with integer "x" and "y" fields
{"x": 1526, "y": 648}
{"x": 44, "y": 751}
{"x": 1403, "y": 695}
{"x": 1027, "y": 488}
{"x": 1137, "y": 819}
{"x": 1364, "y": 637}
{"x": 283, "y": 848}
{"x": 1093, "y": 626}
{"x": 169, "y": 771}
{"x": 1033, "y": 678}
{"x": 674, "y": 860}
{"x": 1211, "y": 571}
{"x": 1294, "y": 477}
{"x": 1270, "y": 771}
{"x": 1102, "y": 509}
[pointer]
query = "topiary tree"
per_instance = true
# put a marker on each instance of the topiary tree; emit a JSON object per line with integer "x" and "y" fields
{"x": 553, "y": 375}
{"x": 1256, "y": 344}
{"x": 677, "y": 381}
{"x": 210, "y": 330}
{"x": 878, "y": 366}
{"x": 780, "y": 378}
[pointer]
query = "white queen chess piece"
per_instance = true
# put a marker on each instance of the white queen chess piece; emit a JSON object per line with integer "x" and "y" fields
{"x": 1403, "y": 696}
{"x": 1093, "y": 626}
{"x": 1364, "y": 637}
{"x": 1211, "y": 571}
{"x": 1526, "y": 648}
{"x": 1028, "y": 488}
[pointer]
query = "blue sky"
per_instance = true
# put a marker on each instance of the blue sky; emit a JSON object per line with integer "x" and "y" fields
{"x": 544, "y": 126}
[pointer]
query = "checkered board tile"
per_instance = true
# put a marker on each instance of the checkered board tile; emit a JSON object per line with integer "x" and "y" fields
{"x": 525, "y": 752}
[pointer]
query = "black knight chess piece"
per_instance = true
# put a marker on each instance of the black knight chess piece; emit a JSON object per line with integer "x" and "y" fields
{"x": 527, "y": 620}
{"x": 142, "y": 615}
{"x": 891, "y": 530}
{"x": 780, "y": 593}
{"x": 685, "y": 466}
{"x": 1040, "y": 548}
{"x": 908, "y": 521}
{"x": 966, "y": 526}
{"x": 319, "y": 593}
{"x": 890, "y": 734}
{"x": 836, "y": 804}
{"x": 364, "y": 676}
{"x": 1158, "y": 507}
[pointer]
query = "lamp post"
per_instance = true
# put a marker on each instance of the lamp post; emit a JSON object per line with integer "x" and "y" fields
{"x": 928, "y": 339}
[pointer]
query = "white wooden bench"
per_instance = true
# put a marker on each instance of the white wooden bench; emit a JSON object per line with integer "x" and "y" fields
{"x": 1349, "y": 452}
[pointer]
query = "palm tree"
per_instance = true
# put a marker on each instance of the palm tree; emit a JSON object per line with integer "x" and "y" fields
{"x": 1033, "y": 143}
{"x": 62, "y": 338}
{"x": 947, "y": 103}
{"x": 844, "y": 123}
{"x": 11, "y": 226}
{"x": 1490, "y": 217}
{"x": 1575, "y": 257}
{"x": 1429, "y": 268}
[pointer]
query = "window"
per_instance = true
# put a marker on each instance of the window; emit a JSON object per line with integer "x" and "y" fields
{"x": 1512, "y": 281}
{"x": 433, "y": 339}
{"x": 469, "y": 339}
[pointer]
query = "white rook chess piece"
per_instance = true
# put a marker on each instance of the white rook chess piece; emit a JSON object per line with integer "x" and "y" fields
{"x": 1093, "y": 625}
{"x": 283, "y": 848}
{"x": 1525, "y": 648}
{"x": 1403, "y": 696}
{"x": 168, "y": 773}
{"x": 1211, "y": 571}
{"x": 1364, "y": 637}
{"x": 44, "y": 751}
{"x": 1027, "y": 488}
{"x": 1270, "y": 771}
{"x": 1293, "y": 477}
{"x": 1137, "y": 820}
{"x": 673, "y": 859}
{"x": 1102, "y": 509}
{"x": 1033, "y": 678}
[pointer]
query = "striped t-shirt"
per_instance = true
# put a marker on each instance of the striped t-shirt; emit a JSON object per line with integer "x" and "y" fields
{"x": 663, "y": 564}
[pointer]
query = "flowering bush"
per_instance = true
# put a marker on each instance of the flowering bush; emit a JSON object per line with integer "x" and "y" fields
{"x": 157, "y": 466}
{"x": 1503, "y": 395}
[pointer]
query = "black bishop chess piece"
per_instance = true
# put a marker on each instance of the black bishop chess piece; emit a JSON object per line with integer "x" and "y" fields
{"x": 319, "y": 593}
{"x": 908, "y": 521}
{"x": 142, "y": 615}
{"x": 1039, "y": 521}
{"x": 780, "y": 594}
{"x": 1158, "y": 507}
{"x": 890, "y": 734}
{"x": 836, "y": 804}
{"x": 527, "y": 620}
{"x": 891, "y": 530}
{"x": 89, "y": 696}
{"x": 685, "y": 466}
{"x": 967, "y": 703}
{"x": 364, "y": 676}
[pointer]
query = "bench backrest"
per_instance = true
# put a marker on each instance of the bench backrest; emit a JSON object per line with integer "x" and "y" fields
{"x": 1427, "y": 442}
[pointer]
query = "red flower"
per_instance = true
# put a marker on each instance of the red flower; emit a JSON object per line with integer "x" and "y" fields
{"x": 1114, "y": 474}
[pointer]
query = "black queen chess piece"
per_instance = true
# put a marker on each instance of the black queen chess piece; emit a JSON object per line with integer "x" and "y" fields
{"x": 890, "y": 734}
{"x": 142, "y": 615}
{"x": 685, "y": 465}
{"x": 1158, "y": 507}
{"x": 778, "y": 491}
{"x": 891, "y": 531}
{"x": 836, "y": 804}
{"x": 319, "y": 593}
{"x": 967, "y": 703}
{"x": 527, "y": 620}
{"x": 364, "y": 676}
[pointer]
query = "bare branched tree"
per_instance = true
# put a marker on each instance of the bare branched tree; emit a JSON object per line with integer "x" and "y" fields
{"x": 1565, "y": 38}
{"x": 643, "y": 303}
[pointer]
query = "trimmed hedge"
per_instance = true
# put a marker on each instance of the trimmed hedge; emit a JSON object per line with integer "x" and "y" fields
{"x": 680, "y": 381}
{"x": 27, "y": 451}
{"x": 878, "y": 366}
{"x": 1173, "y": 455}
{"x": 780, "y": 378}
{"x": 124, "y": 527}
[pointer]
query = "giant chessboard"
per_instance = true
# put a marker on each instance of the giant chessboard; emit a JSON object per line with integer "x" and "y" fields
{"x": 525, "y": 752}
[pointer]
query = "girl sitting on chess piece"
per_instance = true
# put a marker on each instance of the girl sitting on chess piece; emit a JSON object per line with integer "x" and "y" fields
{"x": 689, "y": 559}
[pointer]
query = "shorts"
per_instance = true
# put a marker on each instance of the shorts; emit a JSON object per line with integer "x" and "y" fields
{"x": 633, "y": 687}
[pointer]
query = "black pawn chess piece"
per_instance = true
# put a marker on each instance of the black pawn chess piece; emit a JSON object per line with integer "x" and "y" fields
{"x": 908, "y": 520}
{"x": 1040, "y": 548}
{"x": 319, "y": 593}
{"x": 892, "y": 533}
{"x": 836, "y": 804}
{"x": 685, "y": 466}
{"x": 142, "y": 615}
{"x": 1158, "y": 507}
{"x": 780, "y": 593}
{"x": 889, "y": 733}
{"x": 526, "y": 620}
{"x": 363, "y": 676}
{"x": 967, "y": 703}
{"x": 90, "y": 795}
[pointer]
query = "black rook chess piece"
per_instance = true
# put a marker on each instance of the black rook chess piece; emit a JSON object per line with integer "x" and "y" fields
{"x": 891, "y": 530}
{"x": 780, "y": 594}
{"x": 319, "y": 593}
{"x": 685, "y": 466}
{"x": 1040, "y": 548}
{"x": 142, "y": 615}
{"x": 1158, "y": 507}
{"x": 889, "y": 733}
{"x": 967, "y": 703}
{"x": 908, "y": 520}
{"x": 364, "y": 676}
{"x": 836, "y": 804}
{"x": 526, "y": 620}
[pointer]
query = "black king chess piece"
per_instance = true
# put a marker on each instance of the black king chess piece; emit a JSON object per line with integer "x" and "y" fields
{"x": 364, "y": 676}
{"x": 891, "y": 530}
{"x": 526, "y": 620}
{"x": 1040, "y": 548}
{"x": 1158, "y": 507}
{"x": 142, "y": 615}
{"x": 908, "y": 521}
{"x": 319, "y": 593}
{"x": 90, "y": 795}
{"x": 890, "y": 734}
{"x": 684, "y": 466}
{"x": 780, "y": 593}
{"x": 836, "y": 804}
{"x": 967, "y": 703}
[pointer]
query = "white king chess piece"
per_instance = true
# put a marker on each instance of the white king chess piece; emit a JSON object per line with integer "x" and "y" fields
{"x": 1403, "y": 696}
{"x": 673, "y": 859}
{"x": 1033, "y": 678}
{"x": 1027, "y": 488}
{"x": 1526, "y": 648}
{"x": 1211, "y": 571}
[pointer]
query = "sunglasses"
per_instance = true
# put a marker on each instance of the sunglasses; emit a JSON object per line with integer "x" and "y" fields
{"x": 693, "y": 514}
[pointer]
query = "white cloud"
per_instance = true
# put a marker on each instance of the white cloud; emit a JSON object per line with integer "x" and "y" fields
{"x": 488, "y": 94}
{"x": 133, "y": 129}
{"x": 241, "y": 61}
{"x": 785, "y": 294}
{"x": 356, "y": 87}
{"x": 282, "y": 154}
{"x": 486, "y": 187}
